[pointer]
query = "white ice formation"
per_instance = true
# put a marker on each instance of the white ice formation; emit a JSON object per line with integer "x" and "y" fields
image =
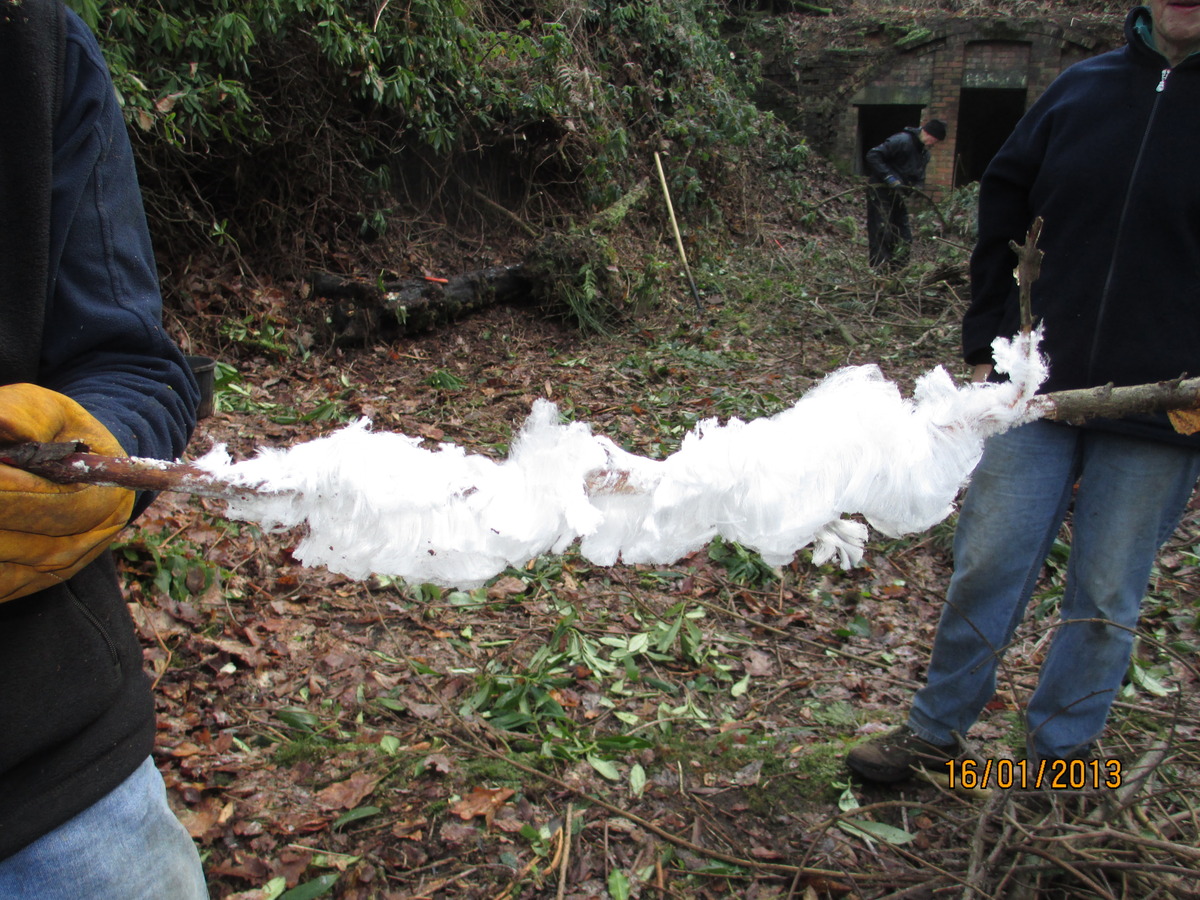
{"x": 379, "y": 503}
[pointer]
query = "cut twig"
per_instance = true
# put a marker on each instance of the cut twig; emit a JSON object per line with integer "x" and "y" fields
{"x": 1029, "y": 267}
{"x": 70, "y": 463}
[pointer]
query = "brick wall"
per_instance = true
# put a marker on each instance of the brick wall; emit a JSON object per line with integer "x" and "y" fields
{"x": 820, "y": 94}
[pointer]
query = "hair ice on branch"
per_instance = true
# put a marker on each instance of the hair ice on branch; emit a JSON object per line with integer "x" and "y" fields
{"x": 379, "y": 503}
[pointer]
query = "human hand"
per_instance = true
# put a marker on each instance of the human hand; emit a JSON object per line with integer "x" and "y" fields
{"x": 48, "y": 531}
{"x": 981, "y": 372}
{"x": 893, "y": 182}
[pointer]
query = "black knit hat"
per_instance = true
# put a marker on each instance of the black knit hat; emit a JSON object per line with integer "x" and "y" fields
{"x": 935, "y": 128}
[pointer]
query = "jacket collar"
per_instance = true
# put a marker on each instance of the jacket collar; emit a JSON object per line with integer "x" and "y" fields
{"x": 1139, "y": 32}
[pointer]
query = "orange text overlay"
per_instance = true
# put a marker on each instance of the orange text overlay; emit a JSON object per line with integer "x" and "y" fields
{"x": 1075, "y": 774}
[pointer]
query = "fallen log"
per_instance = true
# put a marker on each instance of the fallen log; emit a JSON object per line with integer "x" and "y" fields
{"x": 573, "y": 274}
{"x": 362, "y": 311}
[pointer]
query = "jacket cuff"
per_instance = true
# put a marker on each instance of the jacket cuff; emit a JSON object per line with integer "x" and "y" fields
{"x": 978, "y": 357}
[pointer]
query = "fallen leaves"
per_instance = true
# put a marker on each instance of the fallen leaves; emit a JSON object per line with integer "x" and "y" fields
{"x": 204, "y": 820}
{"x": 1185, "y": 421}
{"x": 349, "y": 793}
{"x": 481, "y": 803}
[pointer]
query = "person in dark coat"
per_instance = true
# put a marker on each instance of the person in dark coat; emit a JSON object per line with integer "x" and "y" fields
{"x": 894, "y": 167}
{"x": 1119, "y": 298}
{"x": 83, "y": 357}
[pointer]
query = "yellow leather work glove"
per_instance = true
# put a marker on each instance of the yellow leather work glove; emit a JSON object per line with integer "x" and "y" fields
{"x": 49, "y": 531}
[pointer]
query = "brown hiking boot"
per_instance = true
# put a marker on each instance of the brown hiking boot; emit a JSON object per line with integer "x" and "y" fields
{"x": 895, "y": 755}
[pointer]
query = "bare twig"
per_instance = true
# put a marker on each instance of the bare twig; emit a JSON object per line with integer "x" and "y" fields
{"x": 1110, "y": 402}
{"x": 566, "y": 854}
{"x": 1029, "y": 267}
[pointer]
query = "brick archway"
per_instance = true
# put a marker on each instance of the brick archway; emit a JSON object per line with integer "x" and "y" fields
{"x": 977, "y": 76}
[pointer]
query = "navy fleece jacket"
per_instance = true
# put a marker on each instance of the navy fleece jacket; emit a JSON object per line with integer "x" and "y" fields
{"x": 76, "y": 712}
{"x": 1107, "y": 157}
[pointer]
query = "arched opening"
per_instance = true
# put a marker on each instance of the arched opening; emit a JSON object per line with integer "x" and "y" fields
{"x": 986, "y": 117}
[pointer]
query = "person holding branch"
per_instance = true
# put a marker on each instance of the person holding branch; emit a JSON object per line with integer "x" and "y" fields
{"x": 83, "y": 357}
{"x": 1106, "y": 158}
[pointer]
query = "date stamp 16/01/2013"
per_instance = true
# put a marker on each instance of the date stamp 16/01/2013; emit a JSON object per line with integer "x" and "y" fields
{"x": 1057, "y": 774}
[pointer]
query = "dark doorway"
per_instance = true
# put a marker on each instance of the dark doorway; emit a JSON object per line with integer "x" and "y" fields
{"x": 878, "y": 123}
{"x": 986, "y": 117}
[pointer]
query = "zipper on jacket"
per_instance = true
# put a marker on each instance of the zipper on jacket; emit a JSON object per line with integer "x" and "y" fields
{"x": 1112, "y": 263}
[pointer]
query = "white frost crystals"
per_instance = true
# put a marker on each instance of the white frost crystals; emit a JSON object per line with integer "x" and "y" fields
{"x": 378, "y": 502}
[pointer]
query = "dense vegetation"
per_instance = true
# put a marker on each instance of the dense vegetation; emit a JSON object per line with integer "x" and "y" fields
{"x": 285, "y": 135}
{"x": 291, "y": 130}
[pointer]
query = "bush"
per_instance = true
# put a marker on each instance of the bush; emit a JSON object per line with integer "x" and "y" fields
{"x": 288, "y": 132}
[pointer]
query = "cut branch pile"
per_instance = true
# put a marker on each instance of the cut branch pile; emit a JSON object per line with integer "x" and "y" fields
{"x": 1134, "y": 841}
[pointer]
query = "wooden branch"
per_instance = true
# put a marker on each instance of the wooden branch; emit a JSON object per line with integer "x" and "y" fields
{"x": 934, "y": 205}
{"x": 842, "y": 329}
{"x": 1108, "y": 402}
{"x": 492, "y": 204}
{"x": 611, "y": 217}
{"x": 65, "y": 463}
{"x": 1179, "y": 398}
{"x": 1029, "y": 267}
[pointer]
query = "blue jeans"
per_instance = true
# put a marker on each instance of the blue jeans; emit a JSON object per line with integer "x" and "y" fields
{"x": 1130, "y": 496}
{"x": 128, "y": 845}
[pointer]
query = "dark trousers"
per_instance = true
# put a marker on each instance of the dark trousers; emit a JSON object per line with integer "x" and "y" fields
{"x": 889, "y": 235}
